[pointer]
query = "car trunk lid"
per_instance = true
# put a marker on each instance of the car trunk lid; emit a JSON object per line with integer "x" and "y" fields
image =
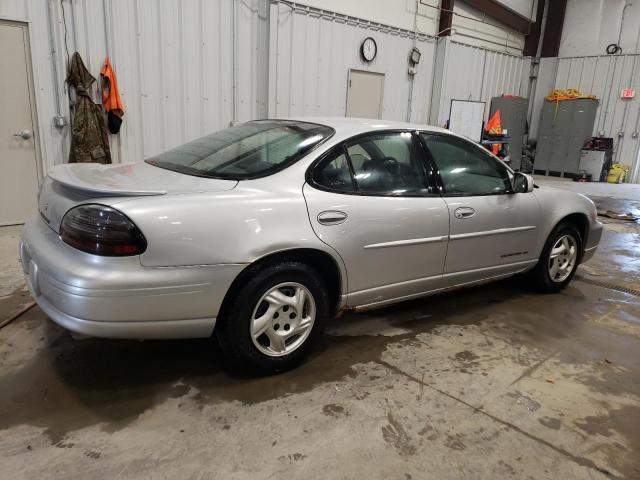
{"x": 72, "y": 184}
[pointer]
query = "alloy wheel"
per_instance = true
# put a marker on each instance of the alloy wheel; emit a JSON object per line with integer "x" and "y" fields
{"x": 283, "y": 319}
{"x": 562, "y": 258}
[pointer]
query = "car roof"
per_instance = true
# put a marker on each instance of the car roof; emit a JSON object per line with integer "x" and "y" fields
{"x": 347, "y": 126}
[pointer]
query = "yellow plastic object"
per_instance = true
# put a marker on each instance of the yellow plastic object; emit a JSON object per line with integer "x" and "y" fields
{"x": 618, "y": 173}
{"x": 568, "y": 94}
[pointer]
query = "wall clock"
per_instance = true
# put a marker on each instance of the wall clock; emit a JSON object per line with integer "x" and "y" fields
{"x": 369, "y": 49}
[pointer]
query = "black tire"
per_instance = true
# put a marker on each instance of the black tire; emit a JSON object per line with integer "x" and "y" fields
{"x": 540, "y": 275}
{"x": 233, "y": 332}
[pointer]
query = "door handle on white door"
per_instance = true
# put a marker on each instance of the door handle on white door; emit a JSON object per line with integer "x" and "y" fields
{"x": 332, "y": 217}
{"x": 464, "y": 212}
{"x": 24, "y": 134}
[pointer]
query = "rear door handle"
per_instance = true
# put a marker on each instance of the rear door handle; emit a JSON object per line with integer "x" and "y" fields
{"x": 464, "y": 212}
{"x": 332, "y": 217}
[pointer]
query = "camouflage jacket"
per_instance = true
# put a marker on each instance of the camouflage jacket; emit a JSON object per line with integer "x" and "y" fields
{"x": 89, "y": 138}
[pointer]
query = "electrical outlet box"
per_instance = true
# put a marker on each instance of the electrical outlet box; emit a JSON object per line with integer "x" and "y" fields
{"x": 60, "y": 121}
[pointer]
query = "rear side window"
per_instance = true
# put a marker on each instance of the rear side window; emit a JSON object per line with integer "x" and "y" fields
{"x": 465, "y": 169}
{"x": 334, "y": 173}
{"x": 386, "y": 163}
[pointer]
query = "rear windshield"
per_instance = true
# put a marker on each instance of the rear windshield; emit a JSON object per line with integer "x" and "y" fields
{"x": 249, "y": 150}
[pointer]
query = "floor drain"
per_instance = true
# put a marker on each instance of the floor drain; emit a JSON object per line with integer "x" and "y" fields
{"x": 610, "y": 286}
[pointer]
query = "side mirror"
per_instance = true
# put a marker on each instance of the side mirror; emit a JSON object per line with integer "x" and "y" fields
{"x": 522, "y": 183}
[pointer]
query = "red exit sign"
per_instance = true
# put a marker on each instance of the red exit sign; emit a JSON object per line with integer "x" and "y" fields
{"x": 628, "y": 93}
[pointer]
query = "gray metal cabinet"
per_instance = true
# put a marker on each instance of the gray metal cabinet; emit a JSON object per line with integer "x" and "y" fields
{"x": 513, "y": 113}
{"x": 564, "y": 128}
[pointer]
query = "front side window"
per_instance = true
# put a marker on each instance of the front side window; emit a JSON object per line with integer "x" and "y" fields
{"x": 248, "y": 150}
{"x": 465, "y": 169}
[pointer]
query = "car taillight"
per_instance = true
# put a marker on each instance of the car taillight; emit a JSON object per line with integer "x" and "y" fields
{"x": 102, "y": 230}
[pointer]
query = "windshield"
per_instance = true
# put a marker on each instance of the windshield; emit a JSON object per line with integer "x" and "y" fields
{"x": 249, "y": 150}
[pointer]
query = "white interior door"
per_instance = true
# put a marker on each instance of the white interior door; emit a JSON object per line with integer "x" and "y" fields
{"x": 18, "y": 167}
{"x": 364, "y": 94}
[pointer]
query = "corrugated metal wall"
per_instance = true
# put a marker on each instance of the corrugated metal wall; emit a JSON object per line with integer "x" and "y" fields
{"x": 179, "y": 64}
{"x": 175, "y": 62}
{"x": 605, "y": 77}
{"x": 314, "y": 50}
{"x": 470, "y": 28}
{"x": 475, "y": 73}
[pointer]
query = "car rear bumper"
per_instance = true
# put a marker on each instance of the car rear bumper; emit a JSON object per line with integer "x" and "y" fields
{"x": 593, "y": 239}
{"x": 116, "y": 297}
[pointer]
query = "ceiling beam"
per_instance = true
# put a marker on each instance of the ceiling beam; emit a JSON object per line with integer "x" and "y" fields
{"x": 446, "y": 18}
{"x": 553, "y": 28}
{"x": 532, "y": 40}
{"x": 503, "y": 14}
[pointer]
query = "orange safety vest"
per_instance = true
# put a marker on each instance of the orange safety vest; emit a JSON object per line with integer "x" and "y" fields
{"x": 110, "y": 94}
{"x": 494, "y": 126}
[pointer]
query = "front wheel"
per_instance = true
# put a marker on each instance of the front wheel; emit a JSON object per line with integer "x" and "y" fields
{"x": 275, "y": 318}
{"x": 559, "y": 259}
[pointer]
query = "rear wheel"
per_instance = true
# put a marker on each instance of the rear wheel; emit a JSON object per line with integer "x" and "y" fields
{"x": 559, "y": 259}
{"x": 275, "y": 318}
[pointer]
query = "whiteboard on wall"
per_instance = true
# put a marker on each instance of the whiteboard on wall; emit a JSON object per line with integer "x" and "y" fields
{"x": 466, "y": 118}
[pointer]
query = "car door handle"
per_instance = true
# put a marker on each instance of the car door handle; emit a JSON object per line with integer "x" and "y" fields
{"x": 464, "y": 212}
{"x": 332, "y": 217}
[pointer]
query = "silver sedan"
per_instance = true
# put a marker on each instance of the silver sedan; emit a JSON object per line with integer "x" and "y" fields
{"x": 258, "y": 233}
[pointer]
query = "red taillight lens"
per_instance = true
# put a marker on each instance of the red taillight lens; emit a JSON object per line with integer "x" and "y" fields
{"x": 102, "y": 230}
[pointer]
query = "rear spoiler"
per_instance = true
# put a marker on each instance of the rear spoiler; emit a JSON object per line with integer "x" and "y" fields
{"x": 69, "y": 178}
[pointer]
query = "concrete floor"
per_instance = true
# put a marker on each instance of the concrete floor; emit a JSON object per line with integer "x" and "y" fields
{"x": 493, "y": 382}
{"x": 10, "y": 273}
